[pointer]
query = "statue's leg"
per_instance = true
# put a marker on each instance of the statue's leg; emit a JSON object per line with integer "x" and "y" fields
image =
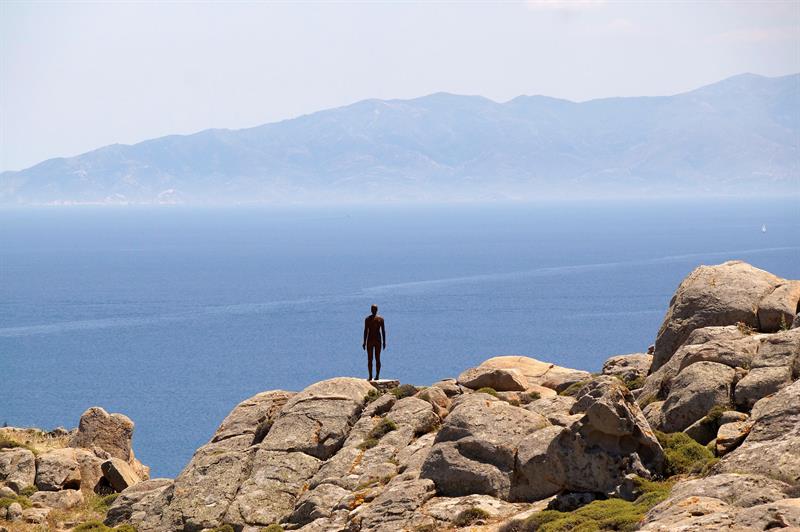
{"x": 378, "y": 361}
{"x": 369, "y": 361}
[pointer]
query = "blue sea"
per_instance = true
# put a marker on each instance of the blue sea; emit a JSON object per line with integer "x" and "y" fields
{"x": 173, "y": 315}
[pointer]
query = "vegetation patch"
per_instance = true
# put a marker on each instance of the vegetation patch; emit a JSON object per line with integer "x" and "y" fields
{"x": 8, "y": 443}
{"x": 573, "y": 389}
{"x": 486, "y": 389}
{"x": 25, "y": 502}
{"x": 470, "y": 516}
{"x": 102, "y": 504}
{"x": 403, "y": 391}
{"x": 609, "y": 514}
{"x": 223, "y": 528}
{"x": 635, "y": 383}
{"x": 683, "y": 454}
{"x": 745, "y": 329}
{"x": 378, "y": 431}
{"x": 28, "y": 491}
{"x": 534, "y": 396}
{"x": 372, "y": 395}
{"x": 272, "y": 528}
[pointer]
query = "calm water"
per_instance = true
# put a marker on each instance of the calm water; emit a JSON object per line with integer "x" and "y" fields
{"x": 174, "y": 315}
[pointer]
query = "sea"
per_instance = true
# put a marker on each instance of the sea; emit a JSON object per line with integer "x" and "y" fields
{"x": 173, "y": 315}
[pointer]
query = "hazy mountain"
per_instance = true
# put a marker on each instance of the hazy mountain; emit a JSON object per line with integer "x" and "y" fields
{"x": 738, "y": 136}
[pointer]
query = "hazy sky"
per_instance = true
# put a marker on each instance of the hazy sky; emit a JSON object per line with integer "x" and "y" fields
{"x": 77, "y": 76}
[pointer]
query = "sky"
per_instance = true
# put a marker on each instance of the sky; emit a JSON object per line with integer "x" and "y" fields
{"x": 78, "y": 76}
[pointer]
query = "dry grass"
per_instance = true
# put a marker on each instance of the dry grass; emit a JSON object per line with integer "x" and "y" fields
{"x": 36, "y": 440}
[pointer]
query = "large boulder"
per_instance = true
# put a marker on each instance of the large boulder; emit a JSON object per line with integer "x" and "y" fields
{"x": 142, "y": 505}
{"x": 778, "y": 309}
{"x": 712, "y": 295}
{"x": 475, "y": 450}
{"x": 630, "y": 368}
{"x": 119, "y": 474}
{"x": 722, "y": 502}
{"x": 58, "y": 469}
{"x": 252, "y": 416}
{"x": 17, "y": 468}
{"x": 62, "y": 500}
{"x": 317, "y": 420}
{"x": 501, "y": 379}
{"x": 206, "y": 487}
{"x": 112, "y": 433}
{"x": 694, "y": 392}
{"x": 608, "y": 439}
{"x": 269, "y": 494}
{"x": 397, "y": 504}
{"x": 539, "y": 373}
{"x": 772, "y": 447}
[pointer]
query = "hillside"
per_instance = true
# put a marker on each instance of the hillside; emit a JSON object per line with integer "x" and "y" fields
{"x": 739, "y": 136}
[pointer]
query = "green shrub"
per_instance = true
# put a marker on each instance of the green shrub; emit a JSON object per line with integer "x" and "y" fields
{"x": 382, "y": 429}
{"x": 378, "y": 431}
{"x": 124, "y": 528}
{"x": 101, "y": 504}
{"x": 23, "y": 501}
{"x": 716, "y": 411}
{"x": 28, "y": 491}
{"x": 403, "y": 391}
{"x": 469, "y": 516}
{"x": 272, "y": 528}
{"x": 635, "y": 383}
{"x": 683, "y": 454}
{"x": 534, "y": 396}
{"x": 371, "y": 395}
{"x": 369, "y": 443}
{"x": 223, "y": 528}
{"x": 490, "y": 391}
{"x": 601, "y": 515}
{"x": 573, "y": 389}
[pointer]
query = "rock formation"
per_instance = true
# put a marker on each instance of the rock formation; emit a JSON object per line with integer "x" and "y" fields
{"x": 512, "y": 444}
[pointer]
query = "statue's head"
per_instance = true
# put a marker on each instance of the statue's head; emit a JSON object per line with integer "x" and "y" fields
{"x": 374, "y": 309}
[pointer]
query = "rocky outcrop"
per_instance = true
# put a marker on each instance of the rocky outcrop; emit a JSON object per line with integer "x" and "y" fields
{"x": 726, "y": 294}
{"x": 500, "y": 379}
{"x": 630, "y": 368}
{"x": 538, "y": 373}
{"x": 345, "y": 455}
{"x": 17, "y": 468}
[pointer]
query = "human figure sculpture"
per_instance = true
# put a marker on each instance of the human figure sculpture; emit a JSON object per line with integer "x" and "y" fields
{"x": 374, "y": 338}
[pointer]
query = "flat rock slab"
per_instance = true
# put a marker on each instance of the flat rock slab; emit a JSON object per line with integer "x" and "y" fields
{"x": 384, "y": 385}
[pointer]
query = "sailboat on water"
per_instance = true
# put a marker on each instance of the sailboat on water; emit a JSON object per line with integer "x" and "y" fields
{"x": 763, "y": 228}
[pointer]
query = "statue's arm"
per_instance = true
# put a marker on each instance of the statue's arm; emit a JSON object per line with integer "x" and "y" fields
{"x": 383, "y": 333}
{"x": 366, "y": 332}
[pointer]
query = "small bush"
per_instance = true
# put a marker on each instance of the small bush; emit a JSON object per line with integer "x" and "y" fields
{"x": 490, "y": 391}
{"x": 371, "y": 395}
{"x": 635, "y": 383}
{"x": 223, "y": 528}
{"x": 683, "y": 454}
{"x": 573, "y": 389}
{"x": 785, "y": 325}
{"x": 378, "y": 431}
{"x": 403, "y": 391}
{"x": 716, "y": 411}
{"x": 8, "y": 443}
{"x": 369, "y": 443}
{"x": 28, "y": 491}
{"x": 513, "y": 402}
{"x": 272, "y": 528}
{"x": 534, "y": 396}
{"x": 25, "y": 502}
{"x": 124, "y": 528}
{"x": 101, "y": 504}
{"x": 469, "y": 516}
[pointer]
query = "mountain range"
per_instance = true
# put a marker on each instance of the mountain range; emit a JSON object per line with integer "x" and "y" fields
{"x": 739, "y": 136}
